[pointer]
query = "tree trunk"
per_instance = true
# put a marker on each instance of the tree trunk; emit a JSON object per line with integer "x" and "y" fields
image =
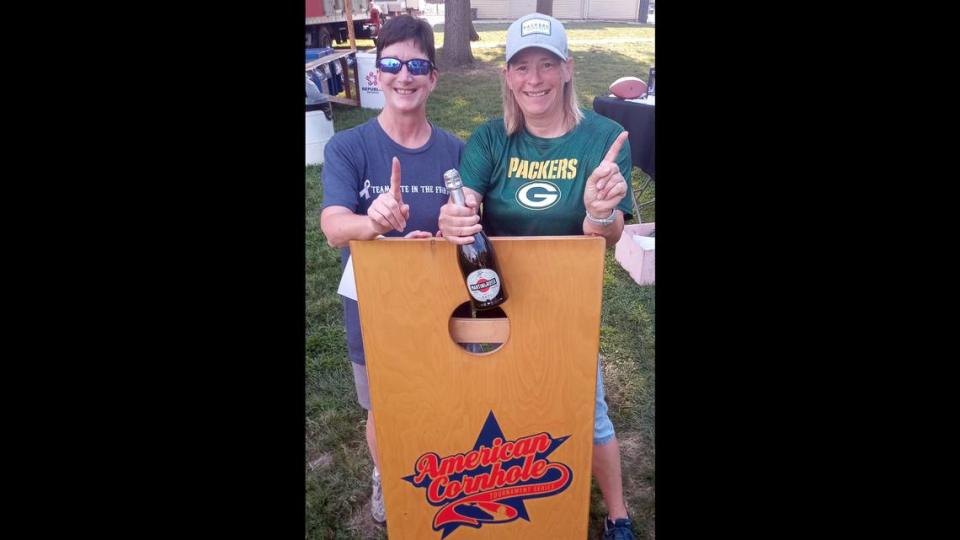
{"x": 456, "y": 34}
{"x": 644, "y": 10}
{"x": 474, "y": 36}
{"x": 545, "y": 7}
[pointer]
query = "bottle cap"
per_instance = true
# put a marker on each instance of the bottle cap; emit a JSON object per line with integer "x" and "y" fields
{"x": 452, "y": 179}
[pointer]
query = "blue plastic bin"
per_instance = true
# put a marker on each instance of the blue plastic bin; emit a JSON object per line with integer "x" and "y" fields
{"x": 313, "y": 54}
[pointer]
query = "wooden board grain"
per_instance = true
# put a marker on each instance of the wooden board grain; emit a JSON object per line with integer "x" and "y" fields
{"x": 429, "y": 395}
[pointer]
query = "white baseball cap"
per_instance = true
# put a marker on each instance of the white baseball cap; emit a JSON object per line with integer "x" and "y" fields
{"x": 537, "y": 30}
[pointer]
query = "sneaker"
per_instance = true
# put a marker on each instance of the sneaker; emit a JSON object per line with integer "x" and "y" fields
{"x": 376, "y": 500}
{"x": 620, "y": 529}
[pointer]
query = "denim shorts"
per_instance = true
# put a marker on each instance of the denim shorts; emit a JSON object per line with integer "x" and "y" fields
{"x": 360, "y": 382}
{"x": 602, "y": 426}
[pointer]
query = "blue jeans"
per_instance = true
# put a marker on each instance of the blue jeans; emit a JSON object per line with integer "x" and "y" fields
{"x": 602, "y": 426}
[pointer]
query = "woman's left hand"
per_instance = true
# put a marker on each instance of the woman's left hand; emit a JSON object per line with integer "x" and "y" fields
{"x": 606, "y": 186}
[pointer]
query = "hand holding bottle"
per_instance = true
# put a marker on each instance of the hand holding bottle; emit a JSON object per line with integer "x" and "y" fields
{"x": 477, "y": 260}
{"x": 458, "y": 223}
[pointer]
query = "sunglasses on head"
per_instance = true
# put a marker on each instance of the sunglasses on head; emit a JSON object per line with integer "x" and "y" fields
{"x": 416, "y": 66}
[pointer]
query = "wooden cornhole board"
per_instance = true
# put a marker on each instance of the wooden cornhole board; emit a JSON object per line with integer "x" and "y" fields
{"x": 516, "y": 423}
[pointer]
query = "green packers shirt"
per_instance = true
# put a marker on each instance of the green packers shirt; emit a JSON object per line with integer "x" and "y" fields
{"x": 533, "y": 186}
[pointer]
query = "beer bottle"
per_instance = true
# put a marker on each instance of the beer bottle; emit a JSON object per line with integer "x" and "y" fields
{"x": 478, "y": 264}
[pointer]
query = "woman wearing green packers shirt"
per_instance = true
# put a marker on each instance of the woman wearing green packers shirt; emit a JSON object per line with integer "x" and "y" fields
{"x": 549, "y": 168}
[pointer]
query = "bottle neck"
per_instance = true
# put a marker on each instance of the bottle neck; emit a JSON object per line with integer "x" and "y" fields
{"x": 457, "y": 196}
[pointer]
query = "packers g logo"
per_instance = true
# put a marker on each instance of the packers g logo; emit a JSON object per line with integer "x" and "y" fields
{"x": 538, "y": 195}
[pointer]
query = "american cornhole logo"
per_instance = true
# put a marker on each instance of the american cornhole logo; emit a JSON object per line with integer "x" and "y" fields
{"x": 488, "y": 484}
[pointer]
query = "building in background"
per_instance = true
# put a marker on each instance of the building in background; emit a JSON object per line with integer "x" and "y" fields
{"x": 611, "y": 10}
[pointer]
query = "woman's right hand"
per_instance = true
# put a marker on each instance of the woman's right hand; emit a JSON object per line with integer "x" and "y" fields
{"x": 387, "y": 212}
{"x": 458, "y": 224}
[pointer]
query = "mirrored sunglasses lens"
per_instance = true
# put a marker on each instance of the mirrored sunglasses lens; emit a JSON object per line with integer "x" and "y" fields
{"x": 419, "y": 67}
{"x": 390, "y": 65}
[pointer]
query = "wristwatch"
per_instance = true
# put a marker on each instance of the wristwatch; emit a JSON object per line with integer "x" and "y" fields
{"x": 605, "y": 222}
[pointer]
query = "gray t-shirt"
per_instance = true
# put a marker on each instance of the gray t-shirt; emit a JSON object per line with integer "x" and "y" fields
{"x": 356, "y": 170}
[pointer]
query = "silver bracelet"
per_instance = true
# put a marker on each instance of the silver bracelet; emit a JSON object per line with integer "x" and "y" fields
{"x": 605, "y": 222}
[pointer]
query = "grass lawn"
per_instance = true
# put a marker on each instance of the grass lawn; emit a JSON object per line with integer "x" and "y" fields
{"x": 337, "y": 467}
